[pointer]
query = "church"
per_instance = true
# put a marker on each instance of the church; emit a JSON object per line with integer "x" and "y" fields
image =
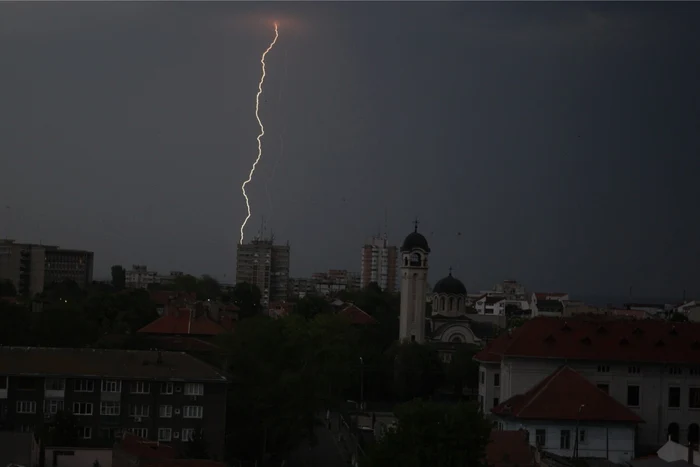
{"x": 440, "y": 316}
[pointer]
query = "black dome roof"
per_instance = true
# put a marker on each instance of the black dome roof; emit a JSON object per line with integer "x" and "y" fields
{"x": 450, "y": 285}
{"x": 415, "y": 240}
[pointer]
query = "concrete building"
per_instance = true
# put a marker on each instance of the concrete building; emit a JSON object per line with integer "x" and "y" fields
{"x": 139, "y": 277}
{"x": 652, "y": 367}
{"x": 265, "y": 265}
{"x": 161, "y": 396}
{"x": 379, "y": 264}
{"x": 30, "y": 267}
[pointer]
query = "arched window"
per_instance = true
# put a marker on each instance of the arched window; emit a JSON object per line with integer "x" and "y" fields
{"x": 457, "y": 339}
{"x": 452, "y": 303}
{"x": 459, "y": 304}
{"x": 673, "y": 432}
{"x": 442, "y": 303}
{"x": 693, "y": 433}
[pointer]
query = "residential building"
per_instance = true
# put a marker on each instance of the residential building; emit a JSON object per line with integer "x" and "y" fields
{"x": 161, "y": 396}
{"x": 30, "y": 267}
{"x": 567, "y": 415}
{"x": 334, "y": 281}
{"x": 548, "y": 304}
{"x": 139, "y": 277}
{"x": 379, "y": 264}
{"x": 652, "y": 367}
{"x": 265, "y": 265}
{"x": 301, "y": 287}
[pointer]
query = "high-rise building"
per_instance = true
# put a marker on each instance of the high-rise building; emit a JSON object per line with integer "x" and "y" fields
{"x": 30, "y": 267}
{"x": 379, "y": 264}
{"x": 265, "y": 265}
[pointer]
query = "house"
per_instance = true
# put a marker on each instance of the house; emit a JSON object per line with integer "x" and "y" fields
{"x": 134, "y": 450}
{"x": 190, "y": 321}
{"x": 568, "y": 415}
{"x": 161, "y": 396}
{"x": 18, "y": 448}
{"x": 652, "y": 367}
{"x": 510, "y": 449}
{"x": 356, "y": 315}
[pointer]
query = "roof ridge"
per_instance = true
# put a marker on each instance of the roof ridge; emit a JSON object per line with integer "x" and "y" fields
{"x": 542, "y": 386}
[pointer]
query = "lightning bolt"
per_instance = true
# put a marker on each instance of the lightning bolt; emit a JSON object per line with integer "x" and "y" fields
{"x": 262, "y": 129}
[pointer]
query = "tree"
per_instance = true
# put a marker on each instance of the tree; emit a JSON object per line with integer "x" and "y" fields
{"x": 196, "y": 448}
{"x": 312, "y": 305}
{"x": 15, "y": 324}
{"x": 463, "y": 371}
{"x": 7, "y": 288}
{"x": 418, "y": 371}
{"x": 247, "y": 298}
{"x": 434, "y": 434}
{"x": 208, "y": 288}
{"x": 63, "y": 429}
{"x": 118, "y": 277}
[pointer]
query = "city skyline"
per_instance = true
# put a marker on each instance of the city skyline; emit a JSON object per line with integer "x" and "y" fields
{"x": 552, "y": 143}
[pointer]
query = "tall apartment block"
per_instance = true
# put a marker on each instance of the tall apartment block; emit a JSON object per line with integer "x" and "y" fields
{"x": 30, "y": 267}
{"x": 379, "y": 264}
{"x": 265, "y": 265}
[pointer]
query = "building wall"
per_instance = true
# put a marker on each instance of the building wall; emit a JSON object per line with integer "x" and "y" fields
{"x": 77, "y": 457}
{"x": 654, "y": 381}
{"x": 266, "y": 266}
{"x": 105, "y": 428}
{"x": 614, "y": 442}
{"x": 379, "y": 264}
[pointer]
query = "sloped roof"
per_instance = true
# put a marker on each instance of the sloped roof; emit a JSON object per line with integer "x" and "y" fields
{"x": 357, "y": 316}
{"x": 188, "y": 322}
{"x": 594, "y": 339}
{"x": 560, "y": 396}
{"x": 509, "y": 448}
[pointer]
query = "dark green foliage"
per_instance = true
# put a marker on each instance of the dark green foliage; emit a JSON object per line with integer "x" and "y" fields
{"x": 418, "y": 371}
{"x": 118, "y": 277}
{"x": 433, "y": 434}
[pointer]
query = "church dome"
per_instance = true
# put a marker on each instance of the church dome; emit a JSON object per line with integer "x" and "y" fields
{"x": 415, "y": 240}
{"x": 450, "y": 285}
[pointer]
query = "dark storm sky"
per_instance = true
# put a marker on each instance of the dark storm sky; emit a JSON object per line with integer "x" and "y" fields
{"x": 553, "y": 143}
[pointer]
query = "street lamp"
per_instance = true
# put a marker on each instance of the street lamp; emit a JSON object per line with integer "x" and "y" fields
{"x": 578, "y": 420}
{"x": 362, "y": 384}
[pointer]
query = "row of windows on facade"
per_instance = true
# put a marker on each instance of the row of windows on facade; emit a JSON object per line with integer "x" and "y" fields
{"x": 634, "y": 398}
{"x": 164, "y": 434}
{"x": 564, "y": 438}
{"x": 107, "y": 385}
{"x": 110, "y": 408}
{"x": 635, "y": 370}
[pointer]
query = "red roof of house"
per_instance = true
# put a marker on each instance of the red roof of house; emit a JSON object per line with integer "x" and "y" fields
{"x": 509, "y": 448}
{"x": 145, "y": 449}
{"x": 587, "y": 338}
{"x": 637, "y": 314}
{"x": 560, "y": 396}
{"x": 188, "y": 322}
{"x": 544, "y": 295}
{"x": 357, "y": 316}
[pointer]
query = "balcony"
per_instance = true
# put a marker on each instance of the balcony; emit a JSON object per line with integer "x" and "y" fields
{"x": 54, "y": 388}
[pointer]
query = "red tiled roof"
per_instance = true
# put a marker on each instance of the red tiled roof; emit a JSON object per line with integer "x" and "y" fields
{"x": 145, "y": 449}
{"x": 638, "y": 314}
{"x": 188, "y": 322}
{"x": 544, "y": 295}
{"x": 587, "y": 338}
{"x": 560, "y": 396}
{"x": 506, "y": 448}
{"x": 357, "y": 316}
{"x": 184, "y": 463}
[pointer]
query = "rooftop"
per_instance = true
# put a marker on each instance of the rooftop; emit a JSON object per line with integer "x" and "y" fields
{"x": 105, "y": 363}
{"x": 509, "y": 448}
{"x": 185, "y": 321}
{"x": 566, "y": 395}
{"x": 357, "y": 316}
{"x": 587, "y": 338}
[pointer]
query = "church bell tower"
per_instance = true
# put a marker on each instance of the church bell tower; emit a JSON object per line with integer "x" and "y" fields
{"x": 414, "y": 287}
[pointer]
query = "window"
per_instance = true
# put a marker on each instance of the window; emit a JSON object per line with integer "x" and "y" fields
{"x": 192, "y": 411}
{"x": 605, "y": 387}
{"x": 187, "y": 434}
{"x": 140, "y": 387}
{"x": 111, "y": 385}
{"x": 54, "y": 384}
{"x": 633, "y": 396}
{"x": 674, "y": 370}
{"x": 85, "y": 432}
{"x": 166, "y": 388}
{"x": 674, "y": 397}
{"x": 582, "y": 436}
{"x": 634, "y": 370}
{"x": 140, "y": 432}
{"x": 166, "y": 411}
{"x": 603, "y": 368}
{"x": 540, "y": 438}
{"x": 194, "y": 389}
{"x": 497, "y": 379}
{"x": 139, "y": 410}
{"x": 495, "y": 401}
{"x": 53, "y": 406}
{"x": 26, "y": 384}
{"x": 565, "y": 439}
{"x": 84, "y": 385}
{"x": 110, "y": 408}
{"x": 165, "y": 434}
{"x": 109, "y": 433}
{"x": 26, "y": 407}
{"x": 82, "y": 408}
{"x": 482, "y": 375}
{"x": 694, "y": 398}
